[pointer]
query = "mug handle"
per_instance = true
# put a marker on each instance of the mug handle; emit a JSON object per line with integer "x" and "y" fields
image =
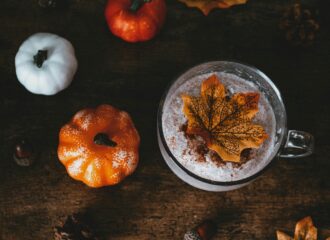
{"x": 298, "y": 144}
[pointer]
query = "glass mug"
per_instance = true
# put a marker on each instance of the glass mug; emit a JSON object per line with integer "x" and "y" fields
{"x": 287, "y": 143}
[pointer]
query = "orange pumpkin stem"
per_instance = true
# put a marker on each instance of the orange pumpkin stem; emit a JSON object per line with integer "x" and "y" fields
{"x": 137, "y": 4}
{"x": 103, "y": 139}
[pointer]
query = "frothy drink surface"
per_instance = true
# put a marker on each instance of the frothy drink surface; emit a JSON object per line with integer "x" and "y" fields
{"x": 190, "y": 152}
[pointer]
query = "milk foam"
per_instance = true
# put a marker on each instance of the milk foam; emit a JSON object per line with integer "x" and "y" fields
{"x": 173, "y": 119}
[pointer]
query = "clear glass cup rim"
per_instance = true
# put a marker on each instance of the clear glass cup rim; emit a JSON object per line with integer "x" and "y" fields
{"x": 282, "y": 139}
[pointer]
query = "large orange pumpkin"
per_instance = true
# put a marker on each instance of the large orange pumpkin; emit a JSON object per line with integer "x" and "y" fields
{"x": 99, "y": 146}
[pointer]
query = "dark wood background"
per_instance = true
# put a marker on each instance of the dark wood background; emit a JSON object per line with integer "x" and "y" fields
{"x": 153, "y": 203}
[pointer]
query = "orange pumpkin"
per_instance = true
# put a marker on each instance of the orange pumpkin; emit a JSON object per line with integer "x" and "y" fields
{"x": 99, "y": 146}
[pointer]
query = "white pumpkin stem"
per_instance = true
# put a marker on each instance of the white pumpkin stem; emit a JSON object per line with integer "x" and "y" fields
{"x": 40, "y": 57}
{"x": 103, "y": 139}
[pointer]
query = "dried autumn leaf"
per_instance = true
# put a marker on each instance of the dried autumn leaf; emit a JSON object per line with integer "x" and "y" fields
{"x": 207, "y": 5}
{"x": 305, "y": 230}
{"x": 224, "y": 124}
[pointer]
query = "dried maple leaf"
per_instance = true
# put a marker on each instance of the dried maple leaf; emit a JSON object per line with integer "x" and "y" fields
{"x": 224, "y": 123}
{"x": 207, "y": 5}
{"x": 305, "y": 230}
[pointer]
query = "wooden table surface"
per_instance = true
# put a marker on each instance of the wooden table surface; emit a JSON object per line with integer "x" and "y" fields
{"x": 153, "y": 203}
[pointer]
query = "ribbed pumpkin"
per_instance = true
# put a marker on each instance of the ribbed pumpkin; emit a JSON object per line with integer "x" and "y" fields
{"x": 45, "y": 63}
{"x": 99, "y": 146}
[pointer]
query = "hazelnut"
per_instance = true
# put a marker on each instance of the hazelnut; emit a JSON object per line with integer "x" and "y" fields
{"x": 204, "y": 231}
{"x": 24, "y": 154}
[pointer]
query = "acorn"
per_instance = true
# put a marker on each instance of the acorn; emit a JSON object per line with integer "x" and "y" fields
{"x": 24, "y": 154}
{"x": 204, "y": 231}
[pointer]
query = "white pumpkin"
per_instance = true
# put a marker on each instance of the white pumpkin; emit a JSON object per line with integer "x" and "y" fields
{"x": 45, "y": 63}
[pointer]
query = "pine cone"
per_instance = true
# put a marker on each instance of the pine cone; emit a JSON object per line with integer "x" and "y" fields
{"x": 299, "y": 25}
{"x": 74, "y": 228}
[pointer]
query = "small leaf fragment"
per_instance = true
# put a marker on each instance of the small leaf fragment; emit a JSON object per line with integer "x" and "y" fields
{"x": 304, "y": 230}
{"x": 282, "y": 236}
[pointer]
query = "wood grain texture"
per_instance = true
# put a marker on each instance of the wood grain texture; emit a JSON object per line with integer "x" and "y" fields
{"x": 153, "y": 203}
